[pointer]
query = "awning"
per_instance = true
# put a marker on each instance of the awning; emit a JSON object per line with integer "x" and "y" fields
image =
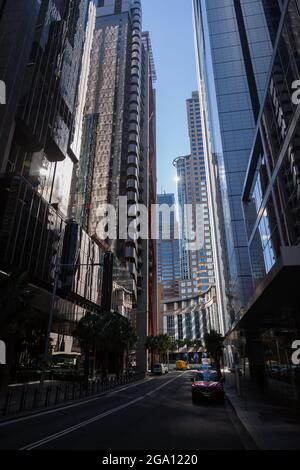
{"x": 276, "y": 301}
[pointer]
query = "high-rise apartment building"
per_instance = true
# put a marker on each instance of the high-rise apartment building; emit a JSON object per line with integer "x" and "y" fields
{"x": 234, "y": 44}
{"x": 197, "y": 263}
{"x": 118, "y": 158}
{"x": 168, "y": 250}
{"x": 153, "y": 291}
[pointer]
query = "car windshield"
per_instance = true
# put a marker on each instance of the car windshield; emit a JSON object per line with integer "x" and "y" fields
{"x": 207, "y": 376}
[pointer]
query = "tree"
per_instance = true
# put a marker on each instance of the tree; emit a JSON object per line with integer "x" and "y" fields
{"x": 164, "y": 345}
{"x": 181, "y": 343}
{"x": 214, "y": 347}
{"x": 108, "y": 335}
{"x": 115, "y": 336}
{"x": 151, "y": 344}
{"x": 160, "y": 345}
{"x": 86, "y": 332}
{"x": 197, "y": 345}
{"x": 188, "y": 343}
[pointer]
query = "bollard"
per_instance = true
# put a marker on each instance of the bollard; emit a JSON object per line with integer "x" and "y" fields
{"x": 57, "y": 395}
{"x": 48, "y": 392}
{"x": 66, "y": 395}
{"x": 8, "y": 402}
{"x": 23, "y": 399}
{"x": 36, "y": 398}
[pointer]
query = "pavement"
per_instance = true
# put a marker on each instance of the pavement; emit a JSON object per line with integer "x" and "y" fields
{"x": 271, "y": 424}
{"x": 154, "y": 414}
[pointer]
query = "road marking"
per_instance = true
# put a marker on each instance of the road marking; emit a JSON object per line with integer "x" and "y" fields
{"x": 87, "y": 422}
{"x": 72, "y": 405}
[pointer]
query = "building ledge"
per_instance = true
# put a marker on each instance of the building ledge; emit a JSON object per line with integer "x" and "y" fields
{"x": 277, "y": 297}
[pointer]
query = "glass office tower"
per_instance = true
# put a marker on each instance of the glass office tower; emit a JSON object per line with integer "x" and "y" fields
{"x": 271, "y": 200}
{"x": 168, "y": 253}
{"x": 234, "y": 44}
{"x": 42, "y": 46}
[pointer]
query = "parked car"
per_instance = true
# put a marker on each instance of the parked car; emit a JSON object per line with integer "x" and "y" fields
{"x": 207, "y": 386}
{"x": 160, "y": 369}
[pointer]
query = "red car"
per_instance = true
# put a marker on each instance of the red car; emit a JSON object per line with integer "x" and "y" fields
{"x": 208, "y": 385}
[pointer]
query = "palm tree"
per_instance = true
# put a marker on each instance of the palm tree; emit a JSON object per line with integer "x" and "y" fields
{"x": 151, "y": 344}
{"x": 160, "y": 345}
{"x": 214, "y": 347}
{"x": 164, "y": 345}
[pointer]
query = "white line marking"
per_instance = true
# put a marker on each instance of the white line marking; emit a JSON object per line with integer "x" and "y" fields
{"x": 87, "y": 422}
{"x": 72, "y": 405}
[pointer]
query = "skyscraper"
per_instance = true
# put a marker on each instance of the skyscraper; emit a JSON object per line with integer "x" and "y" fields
{"x": 197, "y": 264}
{"x": 234, "y": 41}
{"x": 118, "y": 155}
{"x": 78, "y": 131}
{"x": 271, "y": 198}
{"x": 42, "y": 47}
{"x": 168, "y": 253}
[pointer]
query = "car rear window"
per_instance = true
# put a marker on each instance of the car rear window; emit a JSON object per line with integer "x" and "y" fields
{"x": 207, "y": 377}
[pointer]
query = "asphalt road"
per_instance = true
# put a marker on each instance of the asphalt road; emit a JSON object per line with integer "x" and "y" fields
{"x": 156, "y": 414}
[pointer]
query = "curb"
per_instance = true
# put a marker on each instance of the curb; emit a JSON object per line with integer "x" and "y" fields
{"x": 68, "y": 404}
{"x": 248, "y": 439}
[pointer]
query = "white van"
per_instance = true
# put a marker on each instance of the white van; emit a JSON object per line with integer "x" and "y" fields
{"x": 160, "y": 369}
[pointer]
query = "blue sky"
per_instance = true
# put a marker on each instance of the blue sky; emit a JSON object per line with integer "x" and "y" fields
{"x": 170, "y": 25}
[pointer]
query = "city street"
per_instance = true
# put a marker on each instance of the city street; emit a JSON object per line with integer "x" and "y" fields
{"x": 154, "y": 414}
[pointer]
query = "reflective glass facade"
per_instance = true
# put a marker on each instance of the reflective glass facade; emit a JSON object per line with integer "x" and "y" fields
{"x": 168, "y": 253}
{"x": 235, "y": 42}
{"x": 42, "y": 46}
{"x": 272, "y": 191}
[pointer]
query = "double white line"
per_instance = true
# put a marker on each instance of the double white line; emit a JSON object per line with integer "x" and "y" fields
{"x": 87, "y": 422}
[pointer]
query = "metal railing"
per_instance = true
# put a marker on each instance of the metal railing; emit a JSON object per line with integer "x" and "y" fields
{"x": 29, "y": 398}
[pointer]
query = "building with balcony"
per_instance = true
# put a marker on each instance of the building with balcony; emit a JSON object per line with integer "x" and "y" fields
{"x": 117, "y": 166}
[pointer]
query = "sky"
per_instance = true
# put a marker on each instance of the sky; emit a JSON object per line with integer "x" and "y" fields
{"x": 171, "y": 29}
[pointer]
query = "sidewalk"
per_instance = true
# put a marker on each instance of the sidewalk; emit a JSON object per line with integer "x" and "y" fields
{"x": 272, "y": 425}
